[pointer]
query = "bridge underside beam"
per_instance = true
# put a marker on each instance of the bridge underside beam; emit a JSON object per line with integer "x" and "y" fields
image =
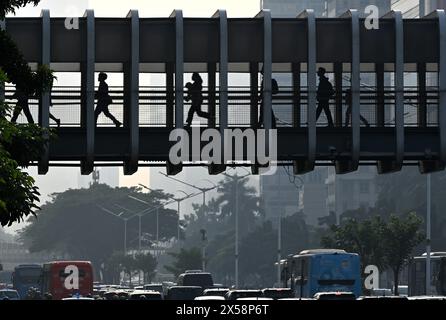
{"x": 334, "y": 144}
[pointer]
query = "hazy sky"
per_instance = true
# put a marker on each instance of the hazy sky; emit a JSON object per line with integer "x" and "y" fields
{"x": 147, "y": 8}
{"x": 61, "y": 179}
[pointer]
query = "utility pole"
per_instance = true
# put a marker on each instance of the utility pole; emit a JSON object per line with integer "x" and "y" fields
{"x": 236, "y": 180}
{"x": 178, "y": 201}
{"x": 202, "y": 190}
{"x": 428, "y": 237}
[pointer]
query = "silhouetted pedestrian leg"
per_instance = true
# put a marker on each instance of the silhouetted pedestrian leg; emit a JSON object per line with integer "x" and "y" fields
{"x": 324, "y": 106}
{"x": 273, "y": 119}
{"x": 27, "y": 113}
{"x": 190, "y": 115}
{"x": 55, "y": 120}
{"x": 196, "y": 109}
{"x": 16, "y": 114}
{"x": 348, "y": 115}
{"x": 112, "y": 118}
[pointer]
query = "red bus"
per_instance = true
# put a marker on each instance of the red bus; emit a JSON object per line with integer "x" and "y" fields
{"x": 64, "y": 279}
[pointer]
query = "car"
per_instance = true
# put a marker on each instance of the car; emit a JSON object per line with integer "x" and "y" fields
{"x": 215, "y": 292}
{"x": 154, "y": 287}
{"x": 433, "y": 298}
{"x": 8, "y": 294}
{"x": 145, "y": 295}
{"x": 191, "y": 278}
{"x": 193, "y": 271}
{"x": 381, "y": 292}
{"x": 278, "y": 293}
{"x": 382, "y": 298}
{"x": 403, "y": 290}
{"x": 209, "y": 298}
{"x": 255, "y": 298}
{"x": 335, "y": 296}
{"x": 183, "y": 292}
{"x": 77, "y": 298}
{"x": 295, "y": 299}
{"x": 236, "y": 294}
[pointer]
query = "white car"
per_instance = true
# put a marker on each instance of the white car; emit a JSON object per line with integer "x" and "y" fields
{"x": 255, "y": 298}
{"x": 208, "y": 298}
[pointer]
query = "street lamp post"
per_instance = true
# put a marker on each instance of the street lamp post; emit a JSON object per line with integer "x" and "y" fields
{"x": 202, "y": 190}
{"x": 178, "y": 201}
{"x": 119, "y": 215}
{"x": 151, "y": 209}
{"x": 236, "y": 179}
{"x": 428, "y": 237}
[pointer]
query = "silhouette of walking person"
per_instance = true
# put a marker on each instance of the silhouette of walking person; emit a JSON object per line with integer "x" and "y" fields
{"x": 324, "y": 93}
{"x": 195, "y": 95}
{"x": 274, "y": 91}
{"x": 22, "y": 105}
{"x": 104, "y": 100}
{"x": 51, "y": 104}
{"x": 348, "y": 113}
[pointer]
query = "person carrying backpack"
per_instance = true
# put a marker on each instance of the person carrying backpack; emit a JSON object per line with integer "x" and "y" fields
{"x": 324, "y": 92}
{"x": 104, "y": 100}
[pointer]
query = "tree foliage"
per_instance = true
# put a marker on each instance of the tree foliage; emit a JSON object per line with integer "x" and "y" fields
{"x": 362, "y": 237}
{"x": 74, "y": 223}
{"x": 387, "y": 244}
{"x": 258, "y": 251}
{"x": 400, "y": 236}
{"x": 19, "y": 144}
{"x": 185, "y": 259}
{"x": 10, "y": 6}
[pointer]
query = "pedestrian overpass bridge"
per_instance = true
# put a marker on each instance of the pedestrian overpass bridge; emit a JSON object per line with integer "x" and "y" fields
{"x": 396, "y": 75}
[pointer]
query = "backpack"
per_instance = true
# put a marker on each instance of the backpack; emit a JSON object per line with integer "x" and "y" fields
{"x": 274, "y": 86}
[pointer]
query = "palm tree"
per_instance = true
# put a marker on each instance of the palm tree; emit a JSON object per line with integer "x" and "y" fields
{"x": 247, "y": 199}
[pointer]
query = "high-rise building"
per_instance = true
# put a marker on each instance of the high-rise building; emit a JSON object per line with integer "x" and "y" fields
{"x": 106, "y": 175}
{"x": 351, "y": 191}
{"x": 291, "y": 8}
{"x": 337, "y": 7}
{"x": 322, "y": 191}
{"x": 280, "y": 194}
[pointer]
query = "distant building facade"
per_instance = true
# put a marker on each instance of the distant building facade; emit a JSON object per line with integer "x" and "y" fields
{"x": 13, "y": 254}
{"x": 291, "y": 8}
{"x": 108, "y": 176}
{"x": 351, "y": 191}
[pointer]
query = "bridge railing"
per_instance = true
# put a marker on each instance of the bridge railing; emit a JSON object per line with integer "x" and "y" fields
{"x": 67, "y": 106}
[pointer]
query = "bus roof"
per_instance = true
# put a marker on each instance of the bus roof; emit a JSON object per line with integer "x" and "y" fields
{"x": 435, "y": 254}
{"x": 321, "y": 251}
{"x": 65, "y": 263}
{"x": 35, "y": 265}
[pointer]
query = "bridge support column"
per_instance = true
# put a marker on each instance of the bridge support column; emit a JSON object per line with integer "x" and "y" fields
{"x": 439, "y": 165}
{"x": 380, "y": 100}
{"x": 179, "y": 82}
{"x": 296, "y": 95}
{"x": 390, "y": 166}
{"x": 44, "y": 101}
{"x": 170, "y": 95}
{"x": 212, "y": 70}
{"x": 2, "y": 84}
{"x": 131, "y": 96}
{"x": 267, "y": 105}
{"x": 87, "y": 94}
{"x": 307, "y": 165}
{"x": 347, "y": 166}
{"x": 338, "y": 84}
{"x": 422, "y": 95}
{"x": 254, "y": 88}
{"x": 217, "y": 168}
